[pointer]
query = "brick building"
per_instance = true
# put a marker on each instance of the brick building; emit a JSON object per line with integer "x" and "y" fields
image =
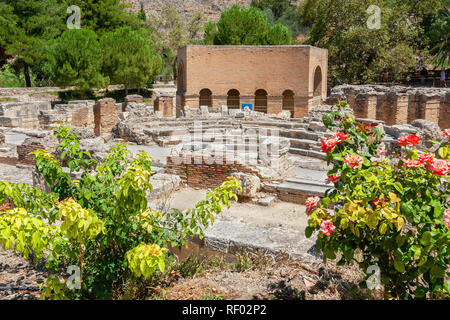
{"x": 269, "y": 78}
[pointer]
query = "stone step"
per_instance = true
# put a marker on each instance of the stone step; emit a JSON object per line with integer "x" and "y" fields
{"x": 303, "y": 189}
{"x": 307, "y": 182}
{"x": 308, "y": 153}
{"x": 302, "y": 143}
{"x": 300, "y": 134}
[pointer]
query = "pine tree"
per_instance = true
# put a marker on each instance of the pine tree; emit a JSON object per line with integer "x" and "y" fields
{"x": 246, "y": 26}
{"x": 76, "y": 60}
{"x": 30, "y": 25}
{"x": 129, "y": 57}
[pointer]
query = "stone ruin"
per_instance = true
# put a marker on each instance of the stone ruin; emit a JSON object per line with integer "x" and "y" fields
{"x": 204, "y": 146}
{"x": 397, "y": 104}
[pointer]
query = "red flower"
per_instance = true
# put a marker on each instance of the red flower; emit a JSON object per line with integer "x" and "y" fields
{"x": 333, "y": 178}
{"x": 353, "y": 160}
{"x": 329, "y": 144}
{"x": 379, "y": 202}
{"x": 410, "y": 140}
{"x": 447, "y": 133}
{"x": 438, "y": 167}
{"x": 426, "y": 157}
{"x": 340, "y": 136}
{"x": 412, "y": 163}
{"x": 311, "y": 203}
{"x": 327, "y": 227}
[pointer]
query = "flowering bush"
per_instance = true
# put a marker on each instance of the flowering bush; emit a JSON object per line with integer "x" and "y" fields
{"x": 391, "y": 213}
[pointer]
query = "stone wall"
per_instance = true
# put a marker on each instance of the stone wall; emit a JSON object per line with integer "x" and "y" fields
{"x": 396, "y": 105}
{"x": 76, "y": 113}
{"x": 22, "y": 114}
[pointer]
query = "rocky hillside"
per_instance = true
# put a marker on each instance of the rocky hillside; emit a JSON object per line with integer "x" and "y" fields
{"x": 210, "y": 8}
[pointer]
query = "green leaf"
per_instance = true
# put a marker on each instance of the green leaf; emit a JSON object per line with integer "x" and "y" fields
{"x": 399, "y": 265}
{"x": 309, "y": 231}
{"x": 398, "y": 186}
{"x": 437, "y": 271}
{"x": 426, "y": 238}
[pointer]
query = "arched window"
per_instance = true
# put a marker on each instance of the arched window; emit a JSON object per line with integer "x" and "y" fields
{"x": 318, "y": 82}
{"x": 288, "y": 101}
{"x": 261, "y": 101}
{"x": 206, "y": 98}
{"x": 233, "y": 99}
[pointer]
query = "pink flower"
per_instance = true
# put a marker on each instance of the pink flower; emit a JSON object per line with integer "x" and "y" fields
{"x": 447, "y": 218}
{"x": 447, "y": 133}
{"x": 329, "y": 144}
{"x": 353, "y": 160}
{"x": 311, "y": 204}
{"x": 438, "y": 167}
{"x": 410, "y": 140}
{"x": 333, "y": 178}
{"x": 327, "y": 227}
{"x": 412, "y": 163}
{"x": 426, "y": 157}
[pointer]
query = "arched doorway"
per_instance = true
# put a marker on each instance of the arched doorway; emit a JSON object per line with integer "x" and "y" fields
{"x": 288, "y": 101}
{"x": 233, "y": 99}
{"x": 261, "y": 101}
{"x": 318, "y": 82}
{"x": 205, "y": 98}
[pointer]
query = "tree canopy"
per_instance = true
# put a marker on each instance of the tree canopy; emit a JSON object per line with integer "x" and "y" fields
{"x": 76, "y": 60}
{"x": 246, "y": 26}
{"x": 132, "y": 61}
{"x": 25, "y": 28}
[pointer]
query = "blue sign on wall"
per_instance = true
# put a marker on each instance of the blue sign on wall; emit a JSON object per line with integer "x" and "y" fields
{"x": 247, "y": 107}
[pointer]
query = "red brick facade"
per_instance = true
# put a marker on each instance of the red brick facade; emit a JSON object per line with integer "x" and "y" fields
{"x": 265, "y": 76}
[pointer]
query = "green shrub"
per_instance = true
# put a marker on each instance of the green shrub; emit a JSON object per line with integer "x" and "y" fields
{"x": 107, "y": 229}
{"x": 389, "y": 213}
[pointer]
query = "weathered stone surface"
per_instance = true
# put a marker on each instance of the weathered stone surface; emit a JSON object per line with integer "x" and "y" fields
{"x": 163, "y": 185}
{"x": 83, "y": 133}
{"x": 267, "y": 201}
{"x": 132, "y": 133}
{"x": 250, "y": 184}
{"x": 427, "y": 130}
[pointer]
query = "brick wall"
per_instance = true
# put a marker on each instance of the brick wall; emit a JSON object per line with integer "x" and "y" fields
{"x": 23, "y": 151}
{"x": 105, "y": 116}
{"x": 248, "y": 69}
{"x": 204, "y": 174}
